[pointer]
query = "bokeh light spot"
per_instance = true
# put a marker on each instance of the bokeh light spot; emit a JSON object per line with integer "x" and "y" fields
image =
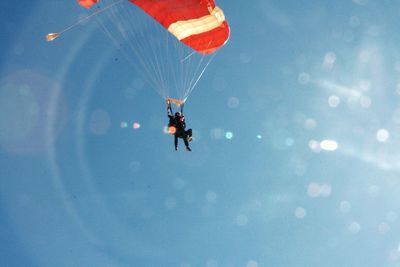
{"x": 354, "y": 227}
{"x": 300, "y": 213}
{"x": 313, "y": 190}
{"x": 329, "y": 60}
{"x": 314, "y": 146}
{"x": 382, "y": 135}
{"x": 233, "y": 102}
{"x": 304, "y": 78}
{"x": 345, "y": 207}
{"x": 329, "y": 145}
{"x": 333, "y": 101}
{"x": 228, "y": 135}
{"x": 136, "y": 125}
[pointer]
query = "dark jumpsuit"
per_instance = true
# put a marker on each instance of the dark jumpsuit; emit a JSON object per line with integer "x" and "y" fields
{"x": 179, "y": 123}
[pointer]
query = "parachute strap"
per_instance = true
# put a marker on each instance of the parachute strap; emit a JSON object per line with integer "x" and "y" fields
{"x": 177, "y": 102}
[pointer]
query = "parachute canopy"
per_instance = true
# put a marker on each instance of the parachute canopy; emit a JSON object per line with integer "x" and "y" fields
{"x": 199, "y": 24}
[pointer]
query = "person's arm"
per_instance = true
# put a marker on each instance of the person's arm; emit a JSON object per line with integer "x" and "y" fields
{"x": 169, "y": 110}
{"x": 183, "y": 122}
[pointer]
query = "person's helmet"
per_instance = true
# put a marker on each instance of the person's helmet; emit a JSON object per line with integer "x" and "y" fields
{"x": 178, "y": 114}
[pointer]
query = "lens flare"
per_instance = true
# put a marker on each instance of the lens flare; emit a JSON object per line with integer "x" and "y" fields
{"x": 329, "y": 145}
{"x": 229, "y": 135}
{"x": 300, "y": 213}
{"x": 136, "y": 125}
{"x": 171, "y": 130}
{"x": 382, "y": 135}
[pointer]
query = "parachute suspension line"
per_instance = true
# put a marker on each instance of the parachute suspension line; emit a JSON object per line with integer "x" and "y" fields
{"x": 186, "y": 62}
{"x": 190, "y": 90}
{"x": 194, "y": 73}
{"x": 158, "y": 58}
{"x": 174, "y": 69}
{"x": 137, "y": 44}
{"x": 167, "y": 58}
{"x": 196, "y": 77}
{"x": 116, "y": 43}
{"x": 171, "y": 68}
{"x": 184, "y": 69}
{"x": 155, "y": 57}
{"x": 124, "y": 25}
{"x": 188, "y": 56}
{"x": 52, "y": 36}
{"x": 150, "y": 48}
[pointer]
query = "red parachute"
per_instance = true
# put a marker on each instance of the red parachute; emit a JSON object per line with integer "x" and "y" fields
{"x": 200, "y": 24}
{"x": 170, "y": 42}
{"x": 87, "y": 3}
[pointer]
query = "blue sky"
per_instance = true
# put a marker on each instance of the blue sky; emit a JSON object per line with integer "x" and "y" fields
{"x": 295, "y": 160}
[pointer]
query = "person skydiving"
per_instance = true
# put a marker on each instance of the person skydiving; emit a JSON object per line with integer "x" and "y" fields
{"x": 177, "y": 125}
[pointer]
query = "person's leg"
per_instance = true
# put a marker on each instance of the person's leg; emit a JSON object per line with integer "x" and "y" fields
{"x": 189, "y": 135}
{"x": 185, "y": 140}
{"x": 176, "y": 141}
